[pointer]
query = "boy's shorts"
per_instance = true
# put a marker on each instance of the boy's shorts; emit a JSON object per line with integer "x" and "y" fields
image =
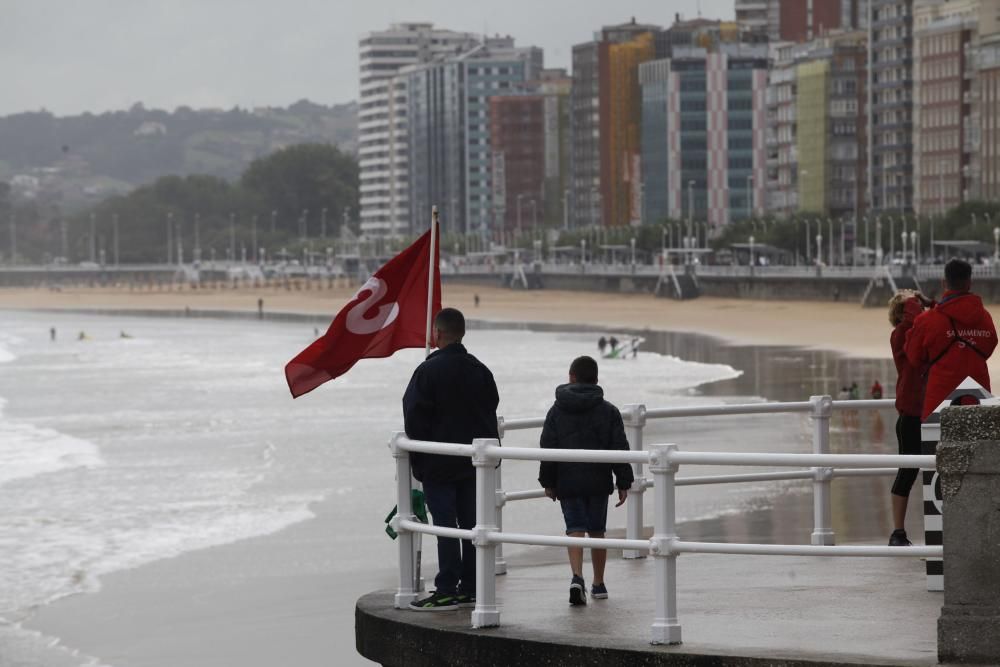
{"x": 585, "y": 514}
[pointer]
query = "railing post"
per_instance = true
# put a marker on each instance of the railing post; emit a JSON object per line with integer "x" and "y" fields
{"x": 406, "y": 593}
{"x": 486, "y": 614}
{"x": 822, "y": 410}
{"x": 635, "y": 422}
{"x": 500, "y": 565}
{"x": 666, "y": 629}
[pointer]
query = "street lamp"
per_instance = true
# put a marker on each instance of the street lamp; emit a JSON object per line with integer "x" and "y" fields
{"x": 232, "y": 237}
{"x": 114, "y": 229}
{"x": 914, "y": 248}
{"x": 197, "y": 237}
{"x": 750, "y": 196}
{"x": 878, "y": 240}
{"x": 996, "y": 243}
{"x": 519, "y": 198}
{"x": 690, "y": 220}
{"x": 751, "y": 253}
{"x": 819, "y": 249}
{"x": 633, "y": 250}
{"x": 566, "y": 194}
{"x": 13, "y": 240}
{"x": 829, "y": 222}
{"x": 903, "y": 236}
{"x": 253, "y": 236}
{"x": 170, "y": 240}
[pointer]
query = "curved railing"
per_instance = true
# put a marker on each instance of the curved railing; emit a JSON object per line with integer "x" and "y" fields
{"x": 663, "y": 461}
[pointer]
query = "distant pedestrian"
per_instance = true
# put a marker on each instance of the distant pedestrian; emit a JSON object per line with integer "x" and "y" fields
{"x": 582, "y": 419}
{"x": 52, "y": 334}
{"x": 876, "y": 391}
{"x": 452, "y": 397}
{"x": 260, "y": 308}
{"x": 602, "y": 343}
{"x": 475, "y": 299}
{"x": 845, "y": 394}
{"x": 904, "y": 307}
{"x": 613, "y": 342}
{"x": 854, "y": 392}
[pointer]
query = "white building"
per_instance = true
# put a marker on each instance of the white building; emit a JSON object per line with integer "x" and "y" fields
{"x": 382, "y": 123}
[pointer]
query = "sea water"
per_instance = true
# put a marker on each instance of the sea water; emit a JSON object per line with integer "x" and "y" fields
{"x": 127, "y": 440}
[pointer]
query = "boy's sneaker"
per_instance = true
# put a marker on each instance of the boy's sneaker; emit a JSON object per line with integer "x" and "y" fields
{"x": 577, "y": 591}
{"x": 599, "y": 592}
{"x": 898, "y": 539}
{"x": 436, "y": 602}
{"x": 465, "y": 600}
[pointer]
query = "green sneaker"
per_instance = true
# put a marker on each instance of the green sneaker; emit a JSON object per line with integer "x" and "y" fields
{"x": 436, "y": 602}
{"x": 466, "y": 601}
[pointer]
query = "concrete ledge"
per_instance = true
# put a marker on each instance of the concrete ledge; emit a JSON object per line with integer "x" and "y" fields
{"x": 393, "y": 637}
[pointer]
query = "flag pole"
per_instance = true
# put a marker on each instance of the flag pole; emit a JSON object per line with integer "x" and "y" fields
{"x": 430, "y": 280}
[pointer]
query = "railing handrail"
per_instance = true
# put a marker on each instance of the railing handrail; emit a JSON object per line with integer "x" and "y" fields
{"x": 663, "y": 461}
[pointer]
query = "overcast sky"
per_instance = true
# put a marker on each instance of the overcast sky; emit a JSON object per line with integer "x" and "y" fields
{"x": 70, "y": 56}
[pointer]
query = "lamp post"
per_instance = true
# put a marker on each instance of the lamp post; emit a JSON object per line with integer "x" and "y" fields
{"x": 819, "y": 249}
{"x": 914, "y": 248}
{"x": 594, "y": 206}
{"x": 996, "y": 245}
{"x": 903, "y": 237}
{"x": 892, "y": 238}
{"x": 170, "y": 239}
{"x": 566, "y": 195}
{"x": 690, "y": 219}
{"x": 808, "y": 255}
{"x": 829, "y": 222}
{"x": 632, "y": 243}
{"x": 304, "y": 225}
{"x": 197, "y": 238}
{"x": 253, "y": 236}
{"x": 751, "y": 254}
{"x": 13, "y": 240}
{"x": 878, "y": 240}
{"x": 519, "y": 197}
{"x": 232, "y": 237}
{"x": 750, "y": 196}
{"x": 583, "y": 251}
{"x": 114, "y": 231}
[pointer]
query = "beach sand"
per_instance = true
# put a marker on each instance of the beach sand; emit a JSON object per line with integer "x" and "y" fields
{"x": 841, "y": 327}
{"x": 272, "y": 600}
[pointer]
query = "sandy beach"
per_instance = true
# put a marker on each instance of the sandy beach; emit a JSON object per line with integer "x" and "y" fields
{"x": 841, "y": 327}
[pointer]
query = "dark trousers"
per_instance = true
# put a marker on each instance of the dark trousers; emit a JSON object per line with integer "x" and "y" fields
{"x": 453, "y": 505}
{"x": 908, "y": 437}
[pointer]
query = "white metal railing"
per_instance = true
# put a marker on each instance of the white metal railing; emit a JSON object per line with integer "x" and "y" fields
{"x": 663, "y": 461}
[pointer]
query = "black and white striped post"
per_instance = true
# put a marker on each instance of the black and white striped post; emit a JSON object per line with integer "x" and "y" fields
{"x": 968, "y": 392}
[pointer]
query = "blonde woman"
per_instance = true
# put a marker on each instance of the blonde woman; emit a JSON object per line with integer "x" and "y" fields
{"x": 904, "y": 306}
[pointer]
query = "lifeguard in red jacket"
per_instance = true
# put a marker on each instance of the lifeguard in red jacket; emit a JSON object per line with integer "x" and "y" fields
{"x": 954, "y": 339}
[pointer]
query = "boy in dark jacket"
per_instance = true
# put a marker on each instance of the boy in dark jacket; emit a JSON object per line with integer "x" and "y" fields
{"x": 582, "y": 419}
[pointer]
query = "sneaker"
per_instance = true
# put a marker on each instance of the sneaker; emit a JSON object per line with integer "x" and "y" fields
{"x": 577, "y": 591}
{"x": 436, "y": 602}
{"x": 466, "y": 600}
{"x": 898, "y": 539}
{"x": 599, "y": 592}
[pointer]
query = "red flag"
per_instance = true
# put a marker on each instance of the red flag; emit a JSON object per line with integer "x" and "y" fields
{"x": 388, "y": 313}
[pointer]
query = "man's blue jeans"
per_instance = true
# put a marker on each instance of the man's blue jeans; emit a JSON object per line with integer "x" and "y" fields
{"x": 453, "y": 505}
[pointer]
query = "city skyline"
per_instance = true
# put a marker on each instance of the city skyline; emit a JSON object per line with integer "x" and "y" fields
{"x": 71, "y": 59}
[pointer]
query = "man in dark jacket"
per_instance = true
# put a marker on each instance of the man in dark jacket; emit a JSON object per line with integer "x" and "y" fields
{"x": 954, "y": 338}
{"x": 582, "y": 419}
{"x": 452, "y": 397}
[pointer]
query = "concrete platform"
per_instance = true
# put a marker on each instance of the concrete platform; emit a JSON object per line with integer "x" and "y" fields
{"x": 734, "y": 610}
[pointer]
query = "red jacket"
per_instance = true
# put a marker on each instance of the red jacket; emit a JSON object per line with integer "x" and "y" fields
{"x": 943, "y": 338}
{"x": 910, "y": 380}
